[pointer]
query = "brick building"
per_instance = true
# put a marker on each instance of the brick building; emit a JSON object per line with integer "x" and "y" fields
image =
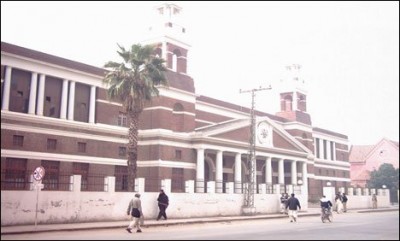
{"x": 55, "y": 114}
{"x": 366, "y": 158}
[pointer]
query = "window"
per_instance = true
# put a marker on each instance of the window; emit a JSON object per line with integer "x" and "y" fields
{"x": 14, "y": 176}
{"x": 122, "y": 151}
{"x": 331, "y": 143}
{"x": 83, "y": 170}
{"x": 178, "y": 107}
{"x": 51, "y": 144}
{"x": 178, "y": 154}
{"x": 288, "y": 103}
{"x": 325, "y": 148}
{"x": 81, "y": 147}
{"x": 121, "y": 178}
{"x": 122, "y": 119}
{"x": 317, "y": 147}
{"x": 177, "y": 182}
{"x": 174, "y": 62}
{"x": 18, "y": 140}
{"x": 50, "y": 179}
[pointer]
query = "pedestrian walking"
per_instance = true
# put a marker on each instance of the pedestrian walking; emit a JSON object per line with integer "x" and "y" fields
{"x": 374, "y": 201}
{"x": 338, "y": 203}
{"x": 284, "y": 198}
{"x": 135, "y": 210}
{"x": 163, "y": 203}
{"x": 292, "y": 204}
{"x": 344, "y": 202}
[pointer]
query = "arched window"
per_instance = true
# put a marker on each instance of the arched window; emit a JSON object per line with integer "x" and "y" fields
{"x": 178, "y": 107}
{"x": 175, "y": 57}
{"x": 158, "y": 52}
{"x": 288, "y": 103}
{"x": 178, "y": 117}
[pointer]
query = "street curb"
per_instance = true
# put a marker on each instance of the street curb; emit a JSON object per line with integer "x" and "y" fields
{"x": 159, "y": 224}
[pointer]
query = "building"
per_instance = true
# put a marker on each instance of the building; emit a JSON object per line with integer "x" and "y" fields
{"x": 367, "y": 158}
{"x": 55, "y": 114}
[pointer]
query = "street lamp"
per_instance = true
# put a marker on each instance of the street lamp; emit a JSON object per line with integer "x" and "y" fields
{"x": 328, "y": 184}
{"x": 300, "y": 182}
{"x": 383, "y": 186}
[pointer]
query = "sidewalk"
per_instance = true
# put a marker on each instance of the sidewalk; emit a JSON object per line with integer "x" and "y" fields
{"x": 153, "y": 223}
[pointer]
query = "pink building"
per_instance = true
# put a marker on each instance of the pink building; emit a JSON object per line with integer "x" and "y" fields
{"x": 366, "y": 158}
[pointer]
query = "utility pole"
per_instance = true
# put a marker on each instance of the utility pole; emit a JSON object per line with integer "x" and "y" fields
{"x": 248, "y": 207}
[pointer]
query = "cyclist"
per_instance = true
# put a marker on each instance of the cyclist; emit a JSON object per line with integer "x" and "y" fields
{"x": 325, "y": 203}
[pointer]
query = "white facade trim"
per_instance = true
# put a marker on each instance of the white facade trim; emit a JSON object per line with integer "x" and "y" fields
{"x": 332, "y": 167}
{"x": 177, "y": 94}
{"x": 55, "y": 132}
{"x": 328, "y": 137}
{"x": 41, "y": 67}
{"x": 166, "y": 163}
{"x": 340, "y": 179}
{"x": 108, "y": 102}
{"x": 107, "y": 129}
{"x": 332, "y": 163}
{"x": 218, "y": 110}
{"x": 61, "y": 157}
{"x": 296, "y": 126}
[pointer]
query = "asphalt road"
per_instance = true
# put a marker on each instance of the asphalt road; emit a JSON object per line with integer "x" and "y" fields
{"x": 347, "y": 226}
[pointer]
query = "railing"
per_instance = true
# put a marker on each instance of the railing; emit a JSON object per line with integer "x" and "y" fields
{"x": 15, "y": 180}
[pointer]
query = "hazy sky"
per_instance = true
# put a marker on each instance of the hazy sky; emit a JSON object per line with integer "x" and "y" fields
{"x": 349, "y": 51}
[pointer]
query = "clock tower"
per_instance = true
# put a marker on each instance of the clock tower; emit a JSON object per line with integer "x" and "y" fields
{"x": 293, "y": 96}
{"x": 169, "y": 35}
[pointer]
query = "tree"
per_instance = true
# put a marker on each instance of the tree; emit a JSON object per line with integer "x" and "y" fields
{"x": 386, "y": 175}
{"x": 134, "y": 82}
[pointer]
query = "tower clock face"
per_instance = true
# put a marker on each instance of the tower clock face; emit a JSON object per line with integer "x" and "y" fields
{"x": 263, "y": 132}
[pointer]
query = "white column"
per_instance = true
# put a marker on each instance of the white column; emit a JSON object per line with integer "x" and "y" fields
{"x": 218, "y": 172}
{"x": 294, "y": 100}
{"x": 315, "y": 146}
{"x": 321, "y": 148}
{"x": 328, "y": 150}
{"x": 92, "y": 106}
{"x": 304, "y": 178}
{"x": 189, "y": 186}
{"x": 164, "y": 52}
{"x": 255, "y": 174}
{"x": 64, "y": 98}
{"x": 40, "y": 102}
{"x": 294, "y": 172}
{"x": 238, "y": 173}
{"x": 304, "y": 173}
{"x": 334, "y": 151}
{"x": 32, "y": 94}
{"x": 281, "y": 173}
{"x": 200, "y": 171}
{"x": 268, "y": 171}
{"x": 71, "y": 100}
{"x": 6, "y": 87}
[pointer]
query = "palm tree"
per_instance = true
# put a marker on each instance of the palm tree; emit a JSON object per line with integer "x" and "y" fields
{"x": 133, "y": 83}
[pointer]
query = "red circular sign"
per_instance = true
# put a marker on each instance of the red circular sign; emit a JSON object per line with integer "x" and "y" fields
{"x": 38, "y": 174}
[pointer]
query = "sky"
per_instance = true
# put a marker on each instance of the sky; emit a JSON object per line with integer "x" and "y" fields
{"x": 348, "y": 51}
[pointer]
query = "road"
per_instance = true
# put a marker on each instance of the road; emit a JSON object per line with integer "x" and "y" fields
{"x": 347, "y": 226}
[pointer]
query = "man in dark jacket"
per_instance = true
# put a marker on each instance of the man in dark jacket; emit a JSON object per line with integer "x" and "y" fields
{"x": 325, "y": 203}
{"x": 344, "y": 202}
{"x": 163, "y": 203}
{"x": 292, "y": 204}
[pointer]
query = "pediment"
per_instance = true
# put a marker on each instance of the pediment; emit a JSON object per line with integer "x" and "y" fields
{"x": 268, "y": 134}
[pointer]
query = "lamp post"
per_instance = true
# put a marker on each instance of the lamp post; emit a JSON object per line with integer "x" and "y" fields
{"x": 328, "y": 184}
